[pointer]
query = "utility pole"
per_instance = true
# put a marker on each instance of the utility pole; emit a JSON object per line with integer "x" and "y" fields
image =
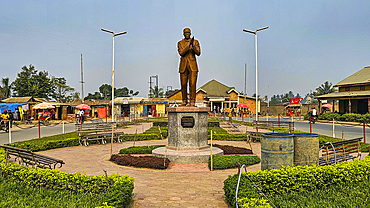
{"x": 245, "y": 83}
{"x": 150, "y": 83}
{"x": 82, "y": 82}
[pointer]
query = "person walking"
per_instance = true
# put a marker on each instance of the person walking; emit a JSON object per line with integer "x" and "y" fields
{"x": 16, "y": 114}
{"x": 11, "y": 118}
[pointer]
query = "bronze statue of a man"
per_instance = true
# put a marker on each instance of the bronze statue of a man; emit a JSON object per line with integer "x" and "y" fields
{"x": 188, "y": 48}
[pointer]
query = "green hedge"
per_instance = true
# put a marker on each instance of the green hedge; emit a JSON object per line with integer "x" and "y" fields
{"x": 229, "y": 137}
{"x": 165, "y": 123}
{"x": 119, "y": 194}
{"x": 14, "y": 194}
{"x": 155, "y": 130}
{"x": 225, "y": 162}
{"x": 296, "y": 179}
{"x": 139, "y": 149}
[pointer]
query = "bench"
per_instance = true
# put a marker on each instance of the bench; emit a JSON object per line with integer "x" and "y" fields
{"x": 93, "y": 127}
{"x": 335, "y": 152}
{"x": 254, "y": 135}
{"x": 275, "y": 125}
{"x": 29, "y": 158}
{"x": 102, "y": 137}
{"x": 98, "y": 120}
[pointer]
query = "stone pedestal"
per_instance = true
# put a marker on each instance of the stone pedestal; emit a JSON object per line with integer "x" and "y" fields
{"x": 187, "y": 136}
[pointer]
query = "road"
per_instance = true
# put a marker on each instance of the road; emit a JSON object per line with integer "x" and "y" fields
{"x": 18, "y": 134}
{"x": 349, "y": 131}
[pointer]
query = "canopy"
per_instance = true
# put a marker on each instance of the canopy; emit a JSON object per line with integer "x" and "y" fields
{"x": 327, "y": 106}
{"x": 83, "y": 107}
{"x": 10, "y": 107}
{"x": 242, "y": 105}
{"x": 43, "y": 106}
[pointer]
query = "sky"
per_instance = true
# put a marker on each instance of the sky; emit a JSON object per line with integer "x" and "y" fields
{"x": 306, "y": 44}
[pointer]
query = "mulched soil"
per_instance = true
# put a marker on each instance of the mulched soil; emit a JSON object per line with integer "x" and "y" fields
{"x": 233, "y": 150}
{"x": 140, "y": 161}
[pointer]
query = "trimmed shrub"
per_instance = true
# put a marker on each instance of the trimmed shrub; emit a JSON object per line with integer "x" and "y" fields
{"x": 225, "y": 162}
{"x": 216, "y": 130}
{"x": 296, "y": 179}
{"x": 118, "y": 195}
{"x": 139, "y": 149}
{"x": 140, "y": 161}
{"x": 155, "y": 130}
{"x": 229, "y": 137}
{"x": 160, "y": 123}
{"x": 43, "y": 144}
{"x": 213, "y": 124}
{"x": 329, "y": 116}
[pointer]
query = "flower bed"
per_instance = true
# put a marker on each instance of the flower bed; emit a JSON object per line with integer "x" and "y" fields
{"x": 140, "y": 161}
{"x": 233, "y": 150}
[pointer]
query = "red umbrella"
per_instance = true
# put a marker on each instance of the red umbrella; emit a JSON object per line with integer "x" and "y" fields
{"x": 83, "y": 107}
{"x": 242, "y": 105}
{"x": 327, "y": 106}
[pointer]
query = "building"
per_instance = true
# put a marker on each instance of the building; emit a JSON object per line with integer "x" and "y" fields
{"x": 353, "y": 93}
{"x": 216, "y": 95}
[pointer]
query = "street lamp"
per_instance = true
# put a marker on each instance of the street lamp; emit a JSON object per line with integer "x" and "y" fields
{"x": 255, "y": 38}
{"x": 114, "y": 35}
{"x": 268, "y": 101}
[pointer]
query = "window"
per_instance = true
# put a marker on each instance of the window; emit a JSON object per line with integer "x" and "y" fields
{"x": 362, "y": 87}
{"x": 346, "y": 89}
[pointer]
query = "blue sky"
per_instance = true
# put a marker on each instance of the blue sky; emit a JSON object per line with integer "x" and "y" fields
{"x": 307, "y": 43}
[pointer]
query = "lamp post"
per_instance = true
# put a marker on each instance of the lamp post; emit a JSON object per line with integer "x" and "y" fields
{"x": 268, "y": 101}
{"x": 255, "y": 38}
{"x": 114, "y": 35}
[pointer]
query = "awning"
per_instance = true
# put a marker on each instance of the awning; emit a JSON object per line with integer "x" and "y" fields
{"x": 10, "y": 107}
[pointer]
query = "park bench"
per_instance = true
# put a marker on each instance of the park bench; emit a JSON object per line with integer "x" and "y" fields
{"x": 97, "y": 120}
{"x": 102, "y": 137}
{"x": 254, "y": 135}
{"x": 88, "y": 128}
{"x": 29, "y": 158}
{"x": 335, "y": 152}
{"x": 275, "y": 125}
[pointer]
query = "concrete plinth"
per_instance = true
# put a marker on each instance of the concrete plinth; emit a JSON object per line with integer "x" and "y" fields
{"x": 187, "y": 136}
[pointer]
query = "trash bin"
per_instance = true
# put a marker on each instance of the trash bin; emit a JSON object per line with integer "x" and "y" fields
{"x": 277, "y": 149}
{"x": 306, "y": 149}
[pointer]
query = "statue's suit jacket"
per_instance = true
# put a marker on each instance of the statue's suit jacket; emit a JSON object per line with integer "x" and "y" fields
{"x": 188, "y": 56}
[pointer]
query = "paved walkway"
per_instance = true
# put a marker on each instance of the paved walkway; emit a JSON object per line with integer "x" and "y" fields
{"x": 181, "y": 185}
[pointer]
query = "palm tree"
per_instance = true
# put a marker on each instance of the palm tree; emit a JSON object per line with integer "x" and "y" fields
{"x": 156, "y": 92}
{"x": 325, "y": 88}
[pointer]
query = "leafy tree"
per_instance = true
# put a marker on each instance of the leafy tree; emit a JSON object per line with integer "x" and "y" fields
{"x": 95, "y": 96}
{"x": 156, "y": 92}
{"x": 30, "y": 82}
{"x": 125, "y": 92}
{"x": 325, "y": 88}
{"x": 5, "y": 89}
{"x": 106, "y": 91}
{"x": 61, "y": 89}
{"x": 75, "y": 95}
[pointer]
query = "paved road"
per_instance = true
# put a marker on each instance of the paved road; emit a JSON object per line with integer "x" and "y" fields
{"x": 32, "y": 133}
{"x": 349, "y": 131}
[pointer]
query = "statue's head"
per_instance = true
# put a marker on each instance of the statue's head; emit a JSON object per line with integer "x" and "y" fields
{"x": 187, "y": 33}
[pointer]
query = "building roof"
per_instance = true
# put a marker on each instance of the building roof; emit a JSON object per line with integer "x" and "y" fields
{"x": 361, "y": 93}
{"x": 24, "y": 100}
{"x": 214, "y": 88}
{"x": 127, "y": 100}
{"x": 360, "y": 77}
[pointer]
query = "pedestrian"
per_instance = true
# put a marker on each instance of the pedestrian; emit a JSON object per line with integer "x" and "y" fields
{"x": 5, "y": 118}
{"x": 11, "y": 118}
{"x": 16, "y": 114}
{"x": 52, "y": 112}
{"x": 25, "y": 115}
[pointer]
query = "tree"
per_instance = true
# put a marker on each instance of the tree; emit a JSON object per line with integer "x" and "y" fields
{"x": 95, "y": 96}
{"x": 30, "y": 82}
{"x": 61, "y": 89}
{"x": 106, "y": 91}
{"x": 5, "y": 89}
{"x": 125, "y": 92}
{"x": 325, "y": 88}
{"x": 156, "y": 92}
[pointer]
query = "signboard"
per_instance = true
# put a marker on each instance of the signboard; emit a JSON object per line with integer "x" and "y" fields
{"x": 187, "y": 122}
{"x": 295, "y": 100}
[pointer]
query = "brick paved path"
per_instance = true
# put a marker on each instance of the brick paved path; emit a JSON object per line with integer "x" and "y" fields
{"x": 181, "y": 185}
